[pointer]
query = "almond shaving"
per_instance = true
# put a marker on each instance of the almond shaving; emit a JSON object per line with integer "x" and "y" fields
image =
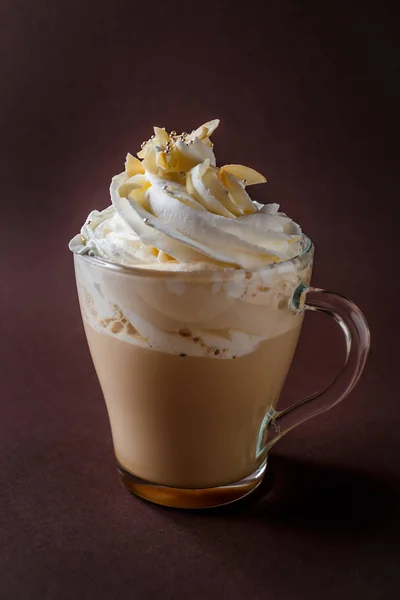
{"x": 204, "y": 131}
{"x": 133, "y": 166}
{"x": 161, "y": 135}
{"x": 161, "y": 160}
{"x": 245, "y": 174}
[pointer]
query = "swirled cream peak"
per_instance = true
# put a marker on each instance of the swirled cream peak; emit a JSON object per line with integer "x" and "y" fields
{"x": 173, "y": 207}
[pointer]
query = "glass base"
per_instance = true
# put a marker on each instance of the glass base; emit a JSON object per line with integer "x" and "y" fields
{"x": 192, "y": 498}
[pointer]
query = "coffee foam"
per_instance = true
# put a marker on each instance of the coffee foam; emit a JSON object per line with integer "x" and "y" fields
{"x": 219, "y": 318}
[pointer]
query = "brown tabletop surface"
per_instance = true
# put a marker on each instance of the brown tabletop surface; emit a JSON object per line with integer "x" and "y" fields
{"x": 308, "y": 94}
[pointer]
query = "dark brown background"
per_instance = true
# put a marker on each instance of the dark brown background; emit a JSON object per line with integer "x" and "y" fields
{"x": 308, "y": 94}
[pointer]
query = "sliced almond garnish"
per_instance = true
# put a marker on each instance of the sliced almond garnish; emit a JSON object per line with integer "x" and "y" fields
{"x": 133, "y": 166}
{"x": 149, "y": 162}
{"x": 204, "y": 131}
{"x": 211, "y": 126}
{"x": 161, "y": 160}
{"x": 142, "y": 153}
{"x": 172, "y": 158}
{"x": 246, "y": 174}
{"x": 162, "y": 136}
{"x": 214, "y": 184}
{"x": 237, "y": 192}
{"x": 200, "y": 132}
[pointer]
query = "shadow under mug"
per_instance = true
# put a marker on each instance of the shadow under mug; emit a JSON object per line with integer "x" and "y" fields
{"x": 192, "y": 401}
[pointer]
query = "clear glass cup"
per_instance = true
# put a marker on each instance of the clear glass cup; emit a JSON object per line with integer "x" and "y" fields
{"x": 192, "y": 364}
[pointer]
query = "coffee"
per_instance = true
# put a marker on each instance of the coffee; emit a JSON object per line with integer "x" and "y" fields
{"x": 188, "y": 422}
{"x": 186, "y": 288}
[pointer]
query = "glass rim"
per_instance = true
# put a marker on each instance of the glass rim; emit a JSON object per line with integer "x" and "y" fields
{"x": 306, "y": 248}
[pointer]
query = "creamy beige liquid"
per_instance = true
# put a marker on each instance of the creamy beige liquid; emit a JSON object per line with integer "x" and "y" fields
{"x": 188, "y": 422}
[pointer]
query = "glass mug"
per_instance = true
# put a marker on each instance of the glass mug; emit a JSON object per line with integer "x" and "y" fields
{"x": 191, "y": 365}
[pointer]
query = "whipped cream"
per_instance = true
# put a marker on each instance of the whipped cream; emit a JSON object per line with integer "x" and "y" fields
{"x": 173, "y": 208}
{"x": 224, "y": 315}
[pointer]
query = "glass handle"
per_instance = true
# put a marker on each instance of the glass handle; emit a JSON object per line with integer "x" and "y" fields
{"x": 357, "y": 337}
